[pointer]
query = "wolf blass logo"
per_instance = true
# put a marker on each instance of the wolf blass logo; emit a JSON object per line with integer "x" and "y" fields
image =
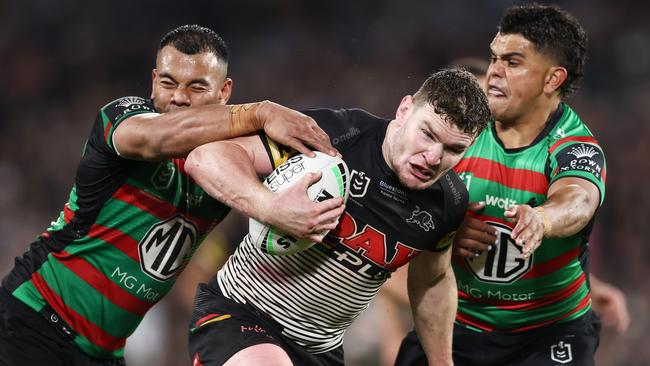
{"x": 162, "y": 253}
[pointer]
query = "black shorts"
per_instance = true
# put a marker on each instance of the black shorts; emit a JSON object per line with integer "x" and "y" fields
{"x": 221, "y": 327}
{"x": 571, "y": 343}
{"x": 28, "y": 338}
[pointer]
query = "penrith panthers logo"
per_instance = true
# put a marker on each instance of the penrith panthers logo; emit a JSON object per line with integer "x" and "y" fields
{"x": 422, "y": 218}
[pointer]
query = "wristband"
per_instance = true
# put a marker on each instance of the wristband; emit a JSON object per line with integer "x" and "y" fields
{"x": 546, "y": 222}
{"x": 243, "y": 118}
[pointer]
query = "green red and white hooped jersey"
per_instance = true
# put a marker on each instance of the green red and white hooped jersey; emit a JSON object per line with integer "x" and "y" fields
{"x": 499, "y": 290}
{"x": 126, "y": 233}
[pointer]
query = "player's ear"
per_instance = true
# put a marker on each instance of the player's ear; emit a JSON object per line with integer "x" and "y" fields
{"x": 404, "y": 107}
{"x": 555, "y": 77}
{"x": 154, "y": 75}
{"x": 226, "y": 91}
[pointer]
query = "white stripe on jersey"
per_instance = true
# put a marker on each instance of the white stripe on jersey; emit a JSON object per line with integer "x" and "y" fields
{"x": 314, "y": 297}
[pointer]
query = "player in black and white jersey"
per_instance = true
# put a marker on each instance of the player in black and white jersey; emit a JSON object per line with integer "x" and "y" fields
{"x": 404, "y": 203}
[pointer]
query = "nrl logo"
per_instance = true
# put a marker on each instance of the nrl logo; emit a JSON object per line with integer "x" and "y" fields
{"x": 129, "y": 101}
{"x": 561, "y": 353}
{"x": 583, "y": 151}
{"x": 421, "y": 218}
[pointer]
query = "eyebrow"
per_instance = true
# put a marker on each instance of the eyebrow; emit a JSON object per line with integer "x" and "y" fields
{"x": 193, "y": 81}
{"x": 508, "y": 55}
{"x": 455, "y": 147}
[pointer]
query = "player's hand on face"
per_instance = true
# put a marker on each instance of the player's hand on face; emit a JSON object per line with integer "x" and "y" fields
{"x": 297, "y": 215}
{"x": 294, "y": 129}
{"x": 529, "y": 228}
{"x": 474, "y": 236}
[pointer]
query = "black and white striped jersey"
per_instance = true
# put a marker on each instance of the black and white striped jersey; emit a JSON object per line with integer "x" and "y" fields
{"x": 316, "y": 294}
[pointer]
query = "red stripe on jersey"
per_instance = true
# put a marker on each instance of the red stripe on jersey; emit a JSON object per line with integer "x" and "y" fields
{"x": 95, "y": 334}
{"x": 196, "y": 361}
{"x": 118, "y": 239}
{"x": 102, "y": 284}
{"x": 68, "y": 214}
{"x": 180, "y": 164}
{"x": 466, "y": 319}
{"x": 521, "y": 179}
{"x": 511, "y": 305}
{"x": 155, "y": 206}
{"x": 559, "y": 142}
{"x": 581, "y": 305}
{"x": 553, "y": 265}
{"x": 107, "y": 129}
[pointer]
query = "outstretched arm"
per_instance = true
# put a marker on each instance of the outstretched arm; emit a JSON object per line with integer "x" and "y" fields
{"x": 433, "y": 296}
{"x": 571, "y": 204}
{"x": 154, "y": 136}
{"x": 235, "y": 183}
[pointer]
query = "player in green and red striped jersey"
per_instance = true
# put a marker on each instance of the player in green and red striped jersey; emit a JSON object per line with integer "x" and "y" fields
{"x": 135, "y": 217}
{"x": 539, "y": 174}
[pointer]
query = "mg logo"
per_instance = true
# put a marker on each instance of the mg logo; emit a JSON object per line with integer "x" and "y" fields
{"x": 164, "y": 247}
{"x": 503, "y": 264}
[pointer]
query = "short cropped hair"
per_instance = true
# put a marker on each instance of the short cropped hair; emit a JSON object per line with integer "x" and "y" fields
{"x": 456, "y": 96}
{"x": 477, "y": 66}
{"x": 555, "y": 33}
{"x": 193, "y": 39}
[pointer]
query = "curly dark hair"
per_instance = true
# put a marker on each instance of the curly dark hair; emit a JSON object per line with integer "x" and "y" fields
{"x": 456, "y": 96}
{"x": 554, "y": 32}
{"x": 193, "y": 39}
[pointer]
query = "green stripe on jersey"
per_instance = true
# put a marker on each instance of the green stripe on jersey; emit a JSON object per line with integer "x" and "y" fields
{"x": 86, "y": 301}
{"x": 502, "y": 178}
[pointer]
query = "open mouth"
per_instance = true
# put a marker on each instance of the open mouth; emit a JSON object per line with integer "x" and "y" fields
{"x": 495, "y": 91}
{"x": 421, "y": 173}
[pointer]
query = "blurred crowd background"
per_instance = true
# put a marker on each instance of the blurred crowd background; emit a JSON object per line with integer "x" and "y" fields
{"x": 62, "y": 60}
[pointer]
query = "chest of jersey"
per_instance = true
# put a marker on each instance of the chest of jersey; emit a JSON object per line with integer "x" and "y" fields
{"x": 385, "y": 225}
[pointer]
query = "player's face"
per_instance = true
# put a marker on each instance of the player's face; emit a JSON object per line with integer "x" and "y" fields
{"x": 424, "y": 145}
{"x": 181, "y": 80}
{"x": 515, "y": 78}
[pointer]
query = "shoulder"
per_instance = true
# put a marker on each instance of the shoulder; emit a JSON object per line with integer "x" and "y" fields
{"x": 570, "y": 129}
{"x": 353, "y": 116}
{"x": 121, "y": 108}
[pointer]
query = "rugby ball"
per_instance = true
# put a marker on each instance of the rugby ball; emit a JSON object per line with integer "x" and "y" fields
{"x": 334, "y": 183}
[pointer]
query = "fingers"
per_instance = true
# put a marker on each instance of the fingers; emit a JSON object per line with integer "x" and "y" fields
{"x": 476, "y": 207}
{"x": 309, "y": 179}
{"x": 319, "y": 140}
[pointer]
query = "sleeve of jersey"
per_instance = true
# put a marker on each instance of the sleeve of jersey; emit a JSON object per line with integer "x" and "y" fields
{"x": 326, "y": 118}
{"x": 583, "y": 159}
{"x": 456, "y": 201}
{"x": 112, "y": 114}
{"x": 276, "y": 152}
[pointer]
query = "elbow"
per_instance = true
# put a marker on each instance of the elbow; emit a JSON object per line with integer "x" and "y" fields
{"x": 194, "y": 162}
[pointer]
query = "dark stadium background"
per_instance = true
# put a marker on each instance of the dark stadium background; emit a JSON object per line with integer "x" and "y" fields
{"x": 62, "y": 60}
